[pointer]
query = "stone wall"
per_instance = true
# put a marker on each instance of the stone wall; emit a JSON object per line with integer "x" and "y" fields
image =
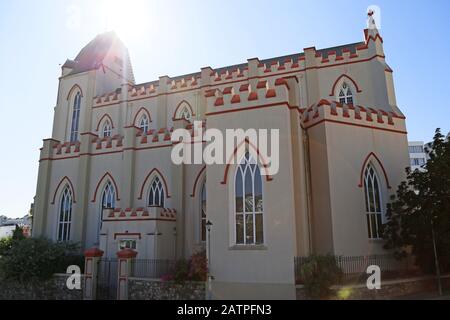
{"x": 52, "y": 289}
{"x": 394, "y": 289}
{"x": 155, "y": 289}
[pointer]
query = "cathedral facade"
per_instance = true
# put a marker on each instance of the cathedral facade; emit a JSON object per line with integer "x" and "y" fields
{"x": 106, "y": 177}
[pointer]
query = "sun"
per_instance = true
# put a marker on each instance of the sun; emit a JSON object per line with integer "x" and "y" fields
{"x": 130, "y": 19}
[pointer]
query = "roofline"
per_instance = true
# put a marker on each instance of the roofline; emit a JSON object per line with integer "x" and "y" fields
{"x": 242, "y": 65}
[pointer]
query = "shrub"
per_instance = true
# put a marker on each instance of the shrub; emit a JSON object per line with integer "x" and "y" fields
{"x": 5, "y": 245}
{"x": 33, "y": 259}
{"x": 318, "y": 274}
{"x": 198, "y": 269}
{"x": 194, "y": 269}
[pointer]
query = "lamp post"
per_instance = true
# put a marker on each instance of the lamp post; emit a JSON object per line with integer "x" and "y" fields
{"x": 208, "y": 244}
{"x": 436, "y": 259}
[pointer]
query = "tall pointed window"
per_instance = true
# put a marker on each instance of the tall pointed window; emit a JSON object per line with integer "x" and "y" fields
{"x": 156, "y": 193}
{"x": 186, "y": 114}
{"x": 203, "y": 214}
{"x": 107, "y": 129}
{"x": 75, "y": 117}
{"x": 143, "y": 123}
{"x": 248, "y": 202}
{"x": 108, "y": 201}
{"x": 345, "y": 94}
{"x": 373, "y": 203}
{"x": 65, "y": 215}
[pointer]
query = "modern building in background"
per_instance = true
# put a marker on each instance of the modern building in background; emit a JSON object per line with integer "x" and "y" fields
{"x": 8, "y": 225}
{"x": 106, "y": 178}
{"x": 417, "y": 154}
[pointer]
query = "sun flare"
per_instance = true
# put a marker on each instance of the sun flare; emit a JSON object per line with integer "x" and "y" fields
{"x": 129, "y": 19}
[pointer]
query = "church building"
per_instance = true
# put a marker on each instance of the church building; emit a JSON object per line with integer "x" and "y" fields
{"x": 106, "y": 177}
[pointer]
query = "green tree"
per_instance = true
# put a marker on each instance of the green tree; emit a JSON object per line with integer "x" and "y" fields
{"x": 418, "y": 217}
{"x": 34, "y": 259}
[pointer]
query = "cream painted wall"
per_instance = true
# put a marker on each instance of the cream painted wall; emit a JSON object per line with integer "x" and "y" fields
{"x": 325, "y": 216}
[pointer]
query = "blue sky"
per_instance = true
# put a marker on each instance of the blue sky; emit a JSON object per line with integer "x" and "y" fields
{"x": 178, "y": 37}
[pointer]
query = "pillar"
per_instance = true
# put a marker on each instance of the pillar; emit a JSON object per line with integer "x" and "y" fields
{"x": 91, "y": 258}
{"x": 125, "y": 258}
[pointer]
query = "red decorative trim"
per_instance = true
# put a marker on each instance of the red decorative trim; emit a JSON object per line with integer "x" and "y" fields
{"x": 364, "y": 167}
{"x": 101, "y": 119}
{"x": 88, "y": 133}
{"x": 57, "y": 188}
{"x": 196, "y": 181}
{"x": 178, "y": 106}
{"x": 145, "y": 214}
{"x": 246, "y": 141}
{"x": 126, "y": 254}
{"x": 136, "y": 234}
{"x": 138, "y": 113}
{"x": 148, "y": 176}
{"x": 374, "y": 39}
{"x": 254, "y": 107}
{"x": 250, "y": 78}
{"x": 93, "y": 252}
{"x": 72, "y": 89}
{"x": 338, "y": 79}
{"x": 107, "y": 174}
{"x": 356, "y": 125}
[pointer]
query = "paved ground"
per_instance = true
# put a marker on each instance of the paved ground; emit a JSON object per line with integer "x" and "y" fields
{"x": 426, "y": 296}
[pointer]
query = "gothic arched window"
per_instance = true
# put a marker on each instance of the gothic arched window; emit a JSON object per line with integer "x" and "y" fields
{"x": 75, "y": 117}
{"x": 107, "y": 129}
{"x": 143, "y": 123}
{"x": 249, "y": 202}
{"x": 345, "y": 94}
{"x": 185, "y": 114}
{"x": 156, "y": 193}
{"x": 203, "y": 214}
{"x": 65, "y": 215}
{"x": 374, "y": 209}
{"x": 108, "y": 201}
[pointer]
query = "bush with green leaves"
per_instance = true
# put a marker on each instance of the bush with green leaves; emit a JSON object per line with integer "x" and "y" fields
{"x": 318, "y": 274}
{"x": 34, "y": 259}
{"x": 194, "y": 269}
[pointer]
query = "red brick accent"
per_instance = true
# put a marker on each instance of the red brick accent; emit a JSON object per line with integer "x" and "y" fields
{"x": 93, "y": 252}
{"x": 126, "y": 254}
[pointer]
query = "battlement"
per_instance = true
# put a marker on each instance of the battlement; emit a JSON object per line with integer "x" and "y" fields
{"x": 150, "y": 213}
{"x": 236, "y": 73}
{"x": 183, "y": 83}
{"x": 153, "y": 137}
{"x": 268, "y": 91}
{"x": 107, "y": 98}
{"x": 108, "y": 142}
{"x": 326, "y": 109}
{"x": 343, "y": 55}
{"x": 66, "y": 148}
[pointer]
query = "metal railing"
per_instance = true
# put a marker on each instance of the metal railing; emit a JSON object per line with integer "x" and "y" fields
{"x": 151, "y": 268}
{"x": 354, "y": 267}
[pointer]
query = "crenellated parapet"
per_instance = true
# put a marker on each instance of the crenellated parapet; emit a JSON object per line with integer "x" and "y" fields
{"x": 107, "y": 98}
{"x": 153, "y": 137}
{"x": 108, "y": 142}
{"x": 343, "y": 55}
{"x": 359, "y": 115}
{"x": 183, "y": 83}
{"x": 66, "y": 148}
{"x": 150, "y": 213}
{"x": 265, "y": 92}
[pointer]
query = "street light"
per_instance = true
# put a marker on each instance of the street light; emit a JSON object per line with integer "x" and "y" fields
{"x": 436, "y": 257}
{"x": 208, "y": 244}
